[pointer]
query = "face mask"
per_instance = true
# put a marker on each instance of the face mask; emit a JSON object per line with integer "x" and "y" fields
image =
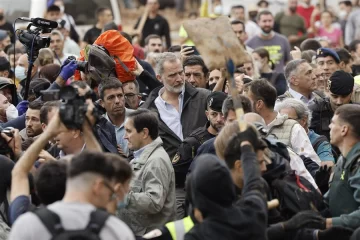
{"x": 265, "y": 34}
{"x": 218, "y": 10}
{"x": 342, "y": 14}
{"x": 62, "y": 8}
{"x": 20, "y": 72}
{"x": 11, "y": 113}
{"x": 1, "y": 17}
{"x": 122, "y": 204}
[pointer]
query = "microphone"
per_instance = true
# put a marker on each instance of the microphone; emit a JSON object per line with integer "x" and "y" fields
{"x": 41, "y": 22}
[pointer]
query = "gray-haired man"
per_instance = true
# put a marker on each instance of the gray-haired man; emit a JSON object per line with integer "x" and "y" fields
{"x": 177, "y": 104}
{"x": 297, "y": 110}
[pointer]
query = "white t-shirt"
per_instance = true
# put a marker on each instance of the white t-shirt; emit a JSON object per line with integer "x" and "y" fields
{"x": 73, "y": 216}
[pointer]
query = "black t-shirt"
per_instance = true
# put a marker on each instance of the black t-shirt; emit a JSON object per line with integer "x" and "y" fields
{"x": 159, "y": 26}
{"x": 9, "y": 28}
{"x": 92, "y": 34}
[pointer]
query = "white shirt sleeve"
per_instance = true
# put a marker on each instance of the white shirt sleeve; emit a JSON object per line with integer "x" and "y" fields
{"x": 301, "y": 144}
{"x": 297, "y": 164}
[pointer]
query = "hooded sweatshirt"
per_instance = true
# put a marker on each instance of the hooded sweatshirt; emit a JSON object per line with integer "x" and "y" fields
{"x": 214, "y": 195}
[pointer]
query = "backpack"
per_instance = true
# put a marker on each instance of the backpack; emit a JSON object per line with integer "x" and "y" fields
{"x": 91, "y": 232}
{"x": 295, "y": 194}
{"x": 111, "y": 55}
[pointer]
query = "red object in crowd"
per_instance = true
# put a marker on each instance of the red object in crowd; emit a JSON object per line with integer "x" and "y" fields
{"x": 139, "y": 52}
{"x": 305, "y": 13}
{"x": 120, "y": 49}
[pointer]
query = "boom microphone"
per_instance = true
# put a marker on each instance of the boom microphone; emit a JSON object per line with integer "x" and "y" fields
{"x": 41, "y": 22}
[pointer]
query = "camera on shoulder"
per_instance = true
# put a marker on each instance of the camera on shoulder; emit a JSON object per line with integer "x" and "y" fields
{"x": 73, "y": 107}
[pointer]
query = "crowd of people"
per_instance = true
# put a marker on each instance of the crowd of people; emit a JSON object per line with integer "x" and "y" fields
{"x": 161, "y": 150}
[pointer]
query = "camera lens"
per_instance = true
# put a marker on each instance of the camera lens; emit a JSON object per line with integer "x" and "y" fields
{"x": 68, "y": 93}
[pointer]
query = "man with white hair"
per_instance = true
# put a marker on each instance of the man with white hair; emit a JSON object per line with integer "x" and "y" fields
{"x": 176, "y": 103}
{"x": 297, "y": 110}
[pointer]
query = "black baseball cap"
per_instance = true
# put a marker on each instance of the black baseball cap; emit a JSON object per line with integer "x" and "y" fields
{"x": 215, "y": 101}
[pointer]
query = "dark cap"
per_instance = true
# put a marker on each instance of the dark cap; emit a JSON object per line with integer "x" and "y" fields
{"x": 341, "y": 83}
{"x": 324, "y": 52}
{"x": 215, "y": 100}
{"x": 4, "y": 64}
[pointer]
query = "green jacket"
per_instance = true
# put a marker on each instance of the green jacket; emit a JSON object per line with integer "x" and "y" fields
{"x": 343, "y": 196}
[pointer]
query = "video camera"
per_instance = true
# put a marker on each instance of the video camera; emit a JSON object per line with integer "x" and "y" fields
{"x": 33, "y": 42}
{"x": 81, "y": 65}
{"x": 4, "y": 147}
{"x": 73, "y": 107}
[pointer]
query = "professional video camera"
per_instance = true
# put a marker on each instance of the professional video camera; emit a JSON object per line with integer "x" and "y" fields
{"x": 4, "y": 147}
{"x": 33, "y": 42}
{"x": 73, "y": 107}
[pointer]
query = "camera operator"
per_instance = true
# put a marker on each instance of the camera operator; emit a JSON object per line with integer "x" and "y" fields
{"x": 20, "y": 181}
{"x": 104, "y": 131}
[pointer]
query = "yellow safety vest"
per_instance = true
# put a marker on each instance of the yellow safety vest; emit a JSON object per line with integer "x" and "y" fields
{"x": 178, "y": 228}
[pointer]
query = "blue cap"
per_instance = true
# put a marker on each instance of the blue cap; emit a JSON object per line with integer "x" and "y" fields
{"x": 324, "y": 52}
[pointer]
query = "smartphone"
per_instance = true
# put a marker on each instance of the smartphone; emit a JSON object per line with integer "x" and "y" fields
{"x": 196, "y": 52}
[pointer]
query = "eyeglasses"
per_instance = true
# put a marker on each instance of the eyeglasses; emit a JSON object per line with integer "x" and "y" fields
{"x": 113, "y": 194}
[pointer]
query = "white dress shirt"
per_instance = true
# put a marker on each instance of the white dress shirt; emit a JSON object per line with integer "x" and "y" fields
{"x": 301, "y": 97}
{"x": 168, "y": 113}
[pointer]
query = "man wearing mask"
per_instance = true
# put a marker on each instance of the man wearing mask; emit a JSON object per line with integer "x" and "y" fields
{"x": 341, "y": 86}
{"x": 291, "y": 25}
{"x": 8, "y": 111}
{"x": 151, "y": 200}
{"x": 277, "y": 44}
{"x": 5, "y": 25}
